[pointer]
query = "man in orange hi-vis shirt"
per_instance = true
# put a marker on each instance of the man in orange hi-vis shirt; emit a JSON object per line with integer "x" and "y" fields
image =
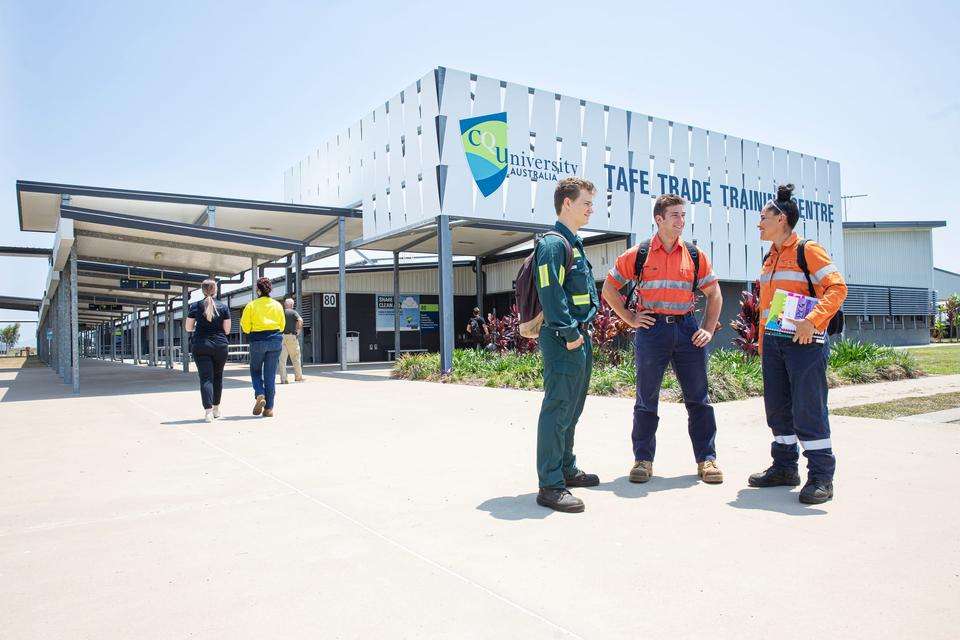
{"x": 795, "y": 369}
{"x": 668, "y": 271}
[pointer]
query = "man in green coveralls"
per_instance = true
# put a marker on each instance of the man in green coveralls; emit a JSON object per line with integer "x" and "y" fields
{"x": 569, "y": 302}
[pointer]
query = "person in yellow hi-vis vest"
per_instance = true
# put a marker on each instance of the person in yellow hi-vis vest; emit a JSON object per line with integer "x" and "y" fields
{"x": 263, "y": 321}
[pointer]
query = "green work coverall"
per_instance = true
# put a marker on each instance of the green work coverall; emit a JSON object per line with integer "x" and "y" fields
{"x": 569, "y": 301}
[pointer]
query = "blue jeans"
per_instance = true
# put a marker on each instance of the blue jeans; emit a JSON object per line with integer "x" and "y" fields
{"x": 264, "y": 358}
{"x": 795, "y": 397}
{"x": 654, "y": 347}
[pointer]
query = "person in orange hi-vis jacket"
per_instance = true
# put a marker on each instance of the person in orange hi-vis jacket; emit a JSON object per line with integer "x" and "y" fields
{"x": 795, "y": 369}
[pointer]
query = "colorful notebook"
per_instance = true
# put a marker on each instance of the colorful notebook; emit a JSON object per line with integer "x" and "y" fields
{"x": 786, "y": 309}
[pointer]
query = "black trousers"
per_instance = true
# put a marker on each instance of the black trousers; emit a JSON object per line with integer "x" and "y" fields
{"x": 210, "y": 358}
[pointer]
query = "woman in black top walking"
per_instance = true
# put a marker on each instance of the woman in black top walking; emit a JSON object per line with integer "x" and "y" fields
{"x": 209, "y": 320}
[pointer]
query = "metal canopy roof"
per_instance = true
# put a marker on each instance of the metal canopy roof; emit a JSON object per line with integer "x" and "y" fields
{"x": 469, "y": 236}
{"x": 144, "y": 242}
{"x": 38, "y": 205}
{"x": 895, "y": 224}
{"x": 13, "y": 303}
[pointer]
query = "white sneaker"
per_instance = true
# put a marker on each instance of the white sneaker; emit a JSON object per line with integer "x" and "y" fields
{"x": 216, "y": 411}
{"x": 208, "y": 415}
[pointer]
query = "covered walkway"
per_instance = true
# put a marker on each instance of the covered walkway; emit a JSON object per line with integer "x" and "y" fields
{"x": 119, "y": 254}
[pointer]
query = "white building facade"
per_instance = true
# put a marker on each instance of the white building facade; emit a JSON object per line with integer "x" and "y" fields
{"x": 460, "y": 144}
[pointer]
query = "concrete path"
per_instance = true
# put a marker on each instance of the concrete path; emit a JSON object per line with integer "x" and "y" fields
{"x": 375, "y": 508}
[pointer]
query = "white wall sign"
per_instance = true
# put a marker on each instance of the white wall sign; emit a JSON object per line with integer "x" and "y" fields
{"x": 330, "y": 300}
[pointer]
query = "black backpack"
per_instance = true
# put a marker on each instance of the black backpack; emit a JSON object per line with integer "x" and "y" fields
{"x": 528, "y": 298}
{"x": 643, "y": 249}
{"x": 835, "y": 325}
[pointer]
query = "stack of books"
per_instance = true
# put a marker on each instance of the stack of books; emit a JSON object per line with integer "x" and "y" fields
{"x": 785, "y": 310}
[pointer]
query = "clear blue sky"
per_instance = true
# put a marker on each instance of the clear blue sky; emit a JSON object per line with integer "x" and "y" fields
{"x": 219, "y": 100}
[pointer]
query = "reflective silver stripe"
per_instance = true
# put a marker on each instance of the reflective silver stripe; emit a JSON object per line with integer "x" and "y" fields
{"x": 710, "y": 279}
{"x": 813, "y": 445}
{"x": 785, "y": 439}
{"x": 765, "y": 313}
{"x": 659, "y": 307}
{"x": 794, "y": 276}
{"x": 827, "y": 270}
{"x": 613, "y": 273}
{"x": 666, "y": 284}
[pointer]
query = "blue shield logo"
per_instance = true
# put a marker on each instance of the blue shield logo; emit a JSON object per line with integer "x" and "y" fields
{"x": 485, "y": 144}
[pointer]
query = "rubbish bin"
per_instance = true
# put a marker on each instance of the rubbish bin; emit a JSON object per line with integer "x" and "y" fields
{"x": 353, "y": 346}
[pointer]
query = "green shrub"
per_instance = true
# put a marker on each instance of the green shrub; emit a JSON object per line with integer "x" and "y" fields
{"x": 732, "y": 374}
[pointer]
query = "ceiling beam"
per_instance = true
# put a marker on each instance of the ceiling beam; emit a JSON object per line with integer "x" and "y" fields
{"x": 127, "y": 263}
{"x": 170, "y": 244}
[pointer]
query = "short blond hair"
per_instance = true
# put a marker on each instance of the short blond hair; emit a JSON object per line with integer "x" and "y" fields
{"x": 570, "y": 188}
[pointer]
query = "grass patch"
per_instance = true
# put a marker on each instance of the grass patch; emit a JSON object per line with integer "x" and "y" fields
{"x": 732, "y": 375}
{"x": 938, "y": 361}
{"x": 903, "y": 407}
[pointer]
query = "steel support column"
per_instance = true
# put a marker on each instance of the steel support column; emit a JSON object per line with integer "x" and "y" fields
{"x": 445, "y": 269}
{"x": 74, "y": 322}
{"x": 342, "y": 286}
{"x": 152, "y": 333}
{"x": 295, "y": 291}
{"x": 396, "y": 305}
{"x": 168, "y": 330}
{"x": 253, "y": 279}
{"x": 184, "y": 338}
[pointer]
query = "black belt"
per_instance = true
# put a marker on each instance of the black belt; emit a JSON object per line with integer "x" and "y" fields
{"x": 671, "y": 318}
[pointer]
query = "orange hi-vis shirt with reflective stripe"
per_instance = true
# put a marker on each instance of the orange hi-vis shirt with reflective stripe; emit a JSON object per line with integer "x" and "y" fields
{"x": 667, "y": 283}
{"x": 782, "y": 271}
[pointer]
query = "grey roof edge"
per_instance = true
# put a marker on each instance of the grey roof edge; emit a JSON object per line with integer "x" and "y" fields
{"x": 895, "y": 224}
{"x": 30, "y": 186}
{"x": 179, "y": 228}
{"x": 952, "y": 273}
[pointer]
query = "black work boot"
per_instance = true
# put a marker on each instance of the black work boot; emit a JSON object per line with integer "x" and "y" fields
{"x": 816, "y": 491}
{"x": 559, "y": 500}
{"x": 581, "y": 479}
{"x": 775, "y": 477}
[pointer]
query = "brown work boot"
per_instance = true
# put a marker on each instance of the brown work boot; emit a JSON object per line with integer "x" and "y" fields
{"x": 300, "y": 379}
{"x": 709, "y": 472}
{"x": 259, "y": 405}
{"x": 642, "y": 471}
{"x": 268, "y": 413}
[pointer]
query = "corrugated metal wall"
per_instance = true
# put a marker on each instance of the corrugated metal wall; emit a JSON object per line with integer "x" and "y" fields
{"x": 411, "y": 281}
{"x": 946, "y": 283}
{"x": 900, "y": 258}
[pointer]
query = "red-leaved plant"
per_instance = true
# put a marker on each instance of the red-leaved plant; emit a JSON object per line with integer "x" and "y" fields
{"x": 607, "y": 328}
{"x": 747, "y": 322}
{"x": 505, "y": 333}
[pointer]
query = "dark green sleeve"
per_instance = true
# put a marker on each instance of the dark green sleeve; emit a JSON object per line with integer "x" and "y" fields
{"x": 551, "y": 273}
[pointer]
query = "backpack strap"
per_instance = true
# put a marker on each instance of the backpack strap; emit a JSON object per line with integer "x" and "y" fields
{"x": 695, "y": 255}
{"x": 643, "y": 250}
{"x": 802, "y": 261}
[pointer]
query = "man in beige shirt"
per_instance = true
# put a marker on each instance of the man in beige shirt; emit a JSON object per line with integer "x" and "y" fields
{"x": 291, "y": 343}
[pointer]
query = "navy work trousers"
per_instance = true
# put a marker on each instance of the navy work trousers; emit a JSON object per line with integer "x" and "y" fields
{"x": 671, "y": 342}
{"x": 795, "y": 397}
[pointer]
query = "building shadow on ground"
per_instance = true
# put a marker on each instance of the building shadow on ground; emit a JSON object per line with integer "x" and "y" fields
{"x": 777, "y": 499}
{"x": 623, "y": 488}
{"x": 522, "y": 507}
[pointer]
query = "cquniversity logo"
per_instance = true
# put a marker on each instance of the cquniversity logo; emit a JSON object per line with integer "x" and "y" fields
{"x": 485, "y": 143}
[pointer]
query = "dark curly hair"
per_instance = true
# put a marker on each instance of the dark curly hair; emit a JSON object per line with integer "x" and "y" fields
{"x": 264, "y": 286}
